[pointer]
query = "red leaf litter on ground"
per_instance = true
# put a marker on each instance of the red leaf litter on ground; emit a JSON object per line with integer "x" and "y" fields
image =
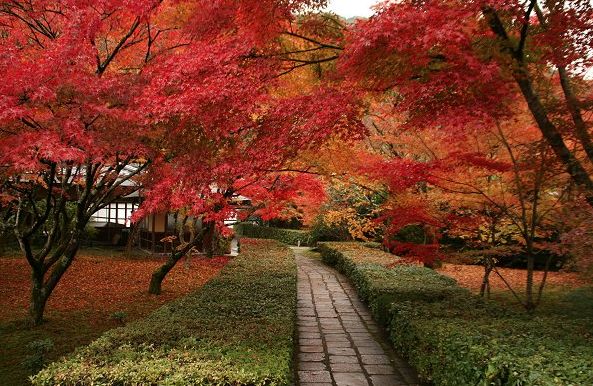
{"x": 470, "y": 276}
{"x": 105, "y": 284}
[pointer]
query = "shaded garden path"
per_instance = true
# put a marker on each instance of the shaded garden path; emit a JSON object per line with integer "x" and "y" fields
{"x": 339, "y": 343}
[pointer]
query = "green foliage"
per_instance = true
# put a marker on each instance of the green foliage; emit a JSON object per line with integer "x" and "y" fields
{"x": 322, "y": 231}
{"x": 8, "y": 243}
{"x": 38, "y": 351}
{"x": 349, "y": 213}
{"x": 120, "y": 316}
{"x": 454, "y": 338}
{"x": 90, "y": 232}
{"x": 287, "y": 236}
{"x": 411, "y": 234}
{"x": 236, "y": 330}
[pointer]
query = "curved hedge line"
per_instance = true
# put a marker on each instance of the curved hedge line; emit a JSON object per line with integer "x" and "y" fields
{"x": 287, "y": 236}
{"x": 454, "y": 338}
{"x": 236, "y": 330}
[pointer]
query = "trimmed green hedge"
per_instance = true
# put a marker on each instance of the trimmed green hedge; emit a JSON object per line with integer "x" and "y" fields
{"x": 236, "y": 330}
{"x": 287, "y": 236}
{"x": 454, "y": 338}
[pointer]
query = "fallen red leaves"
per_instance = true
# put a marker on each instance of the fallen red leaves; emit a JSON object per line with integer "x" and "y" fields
{"x": 105, "y": 284}
{"x": 470, "y": 276}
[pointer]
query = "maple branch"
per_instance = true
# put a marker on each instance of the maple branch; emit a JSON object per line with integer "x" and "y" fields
{"x": 23, "y": 241}
{"x": 33, "y": 24}
{"x": 311, "y": 40}
{"x": 150, "y": 42}
{"x": 103, "y": 66}
{"x": 294, "y": 52}
{"x": 477, "y": 191}
{"x": 101, "y": 201}
{"x": 571, "y": 99}
{"x": 517, "y": 178}
{"x": 509, "y": 287}
{"x": 49, "y": 242}
{"x": 548, "y": 129}
{"x": 40, "y": 220}
{"x": 525, "y": 29}
{"x": 542, "y": 284}
{"x": 289, "y": 170}
{"x": 306, "y": 63}
{"x": 425, "y": 145}
{"x": 314, "y": 61}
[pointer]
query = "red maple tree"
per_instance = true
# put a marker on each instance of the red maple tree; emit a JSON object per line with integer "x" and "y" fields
{"x": 463, "y": 65}
{"x": 174, "y": 97}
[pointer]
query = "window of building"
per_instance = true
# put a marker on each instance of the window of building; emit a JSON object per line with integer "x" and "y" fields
{"x": 115, "y": 213}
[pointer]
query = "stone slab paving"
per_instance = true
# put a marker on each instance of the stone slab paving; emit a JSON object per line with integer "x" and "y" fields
{"x": 339, "y": 343}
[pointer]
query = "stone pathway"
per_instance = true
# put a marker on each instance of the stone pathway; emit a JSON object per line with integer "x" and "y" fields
{"x": 339, "y": 343}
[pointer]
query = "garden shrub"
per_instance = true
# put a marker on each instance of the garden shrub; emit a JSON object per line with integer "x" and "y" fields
{"x": 236, "y": 330}
{"x": 321, "y": 231}
{"x": 287, "y": 236}
{"x": 454, "y": 338}
{"x": 411, "y": 234}
{"x": 39, "y": 349}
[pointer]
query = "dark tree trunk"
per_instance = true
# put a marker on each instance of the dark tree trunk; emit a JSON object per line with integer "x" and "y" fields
{"x": 529, "y": 300}
{"x": 429, "y": 265}
{"x": 38, "y": 300}
{"x": 550, "y": 132}
{"x": 156, "y": 281}
{"x": 209, "y": 239}
{"x": 44, "y": 284}
{"x": 485, "y": 287}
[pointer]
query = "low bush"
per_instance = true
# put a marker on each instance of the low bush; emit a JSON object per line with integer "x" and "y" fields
{"x": 286, "y": 236}
{"x": 38, "y": 352}
{"x": 236, "y": 330}
{"x": 322, "y": 231}
{"x": 454, "y": 338}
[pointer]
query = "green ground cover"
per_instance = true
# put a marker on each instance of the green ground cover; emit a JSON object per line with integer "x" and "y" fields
{"x": 236, "y": 330}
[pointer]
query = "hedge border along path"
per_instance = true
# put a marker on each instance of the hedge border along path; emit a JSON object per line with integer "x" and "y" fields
{"x": 453, "y": 338}
{"x": 236, "y": 330}
{"x": 286, "y": 236}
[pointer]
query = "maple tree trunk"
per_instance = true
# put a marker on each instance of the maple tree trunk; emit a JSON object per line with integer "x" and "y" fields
{"x": 529, "y": 301}
{"x": 485, "y": 287}
{"x": 543, "y": 282}
{"x": 209, "y": 238}
{"x": 156, "y": 281}
{"x": 38, "y": 300}
{"x": 548, "y": 129}
{"x": 43, "y": 284}
{"x": 572, "y": 103}
{"x": 574, "y": 168}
